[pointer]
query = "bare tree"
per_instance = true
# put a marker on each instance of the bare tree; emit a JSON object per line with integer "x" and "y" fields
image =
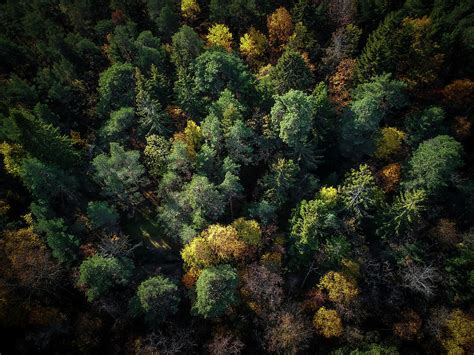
{"x": 224, "y": 342}
{"x": 420, "y": 279}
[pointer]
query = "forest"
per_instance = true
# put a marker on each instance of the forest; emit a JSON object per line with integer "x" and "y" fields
{"x": 237, "y": 177}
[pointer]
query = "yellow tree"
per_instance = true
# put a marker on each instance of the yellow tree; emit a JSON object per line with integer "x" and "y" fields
{"x": 249, "y": 231}
{"x": 328, "y": 323}
{"x": 13, "y": 155}
{"x": 280, "y": 27}
{"x": 389, "y": 142}
{"x": 190, "y": 9}
{"x": 460, "y": 333}
{"x": 339, "y": 288}
{"x": 253, "y": 45}
{"x": 219, "y": 35}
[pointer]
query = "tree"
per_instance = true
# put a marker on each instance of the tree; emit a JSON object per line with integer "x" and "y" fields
{"x": 328, "y": 323}
{"x": 339, "y": 288}
{"x": 102, "y": 215}
{"x": 405, "y": 212}
{"x": 156, "y": 298}
{"x": 220, "y": 36}
{"x": 190, "y": 9}
{"x": 121, "y": 175}
{"x": 423, "y": 125}
{"x": 249, "y": 231}
{"x": 389, "y": 142}
{"x": 262, "y": 288}
{"x": 238, "y": 13}
{"x": 280, "y": 27}
{"x": 64, "y": 246}
{"x": 372, "y": 102}
{"x": 186, "y": 46}
{"x": 379, "y": 54}
{"x": 433, "y": 163}
{"x": 156, "y": 154}
{"x": 216, "y": 70}
{"x": 359, "y": 193}
{"x": 100, "y": 274}
{"x": 460, "y": 330}
{"x": 289, "y": 334}
{"x": 344, "y": 43}
{"x": 311, "y": 222}
{"x": 41, "y": 140}
{"x": 216, "y": 291}
{"x": 47, "y": 182}
{"x": 253, "y": 45}
{"x": 13, "y": 155}
{"x": 114, "y": 88}
{"x": 291, "y": 72}
{"x": 149, "y": 52}
{"x": 114, "y": 129}
{"x": 292, "y": 118}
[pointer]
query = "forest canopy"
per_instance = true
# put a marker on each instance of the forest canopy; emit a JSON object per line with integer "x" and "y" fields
{"x": 237, "y": 176}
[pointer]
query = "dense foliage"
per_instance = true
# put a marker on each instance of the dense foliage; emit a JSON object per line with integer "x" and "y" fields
{"x": 237, "y": 176}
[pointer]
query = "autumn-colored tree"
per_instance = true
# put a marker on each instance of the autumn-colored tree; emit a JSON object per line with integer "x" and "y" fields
{"x": 459, "y": 94}
{"x": 13, "y": 155}
{"x": 340, "y": 83}
{"x": 190, "y": 9}
{"x": 249, "y": 231}
{"x": 253, "y": 45}
{"x": 389, "y": 142}
{"x": 460, "y": 333}
{"x": 219, "y": 35}
{"x": 339, "y": 288}
{"x": 409, "y": 327}
{"x": 225, "y": 342}
{"x": 280, "y": 27}
{"x": 225, "y": 242}
{"x": 389, "y": 176}
{"x": 328, "y": 323}
{"x": 288, "y": 333}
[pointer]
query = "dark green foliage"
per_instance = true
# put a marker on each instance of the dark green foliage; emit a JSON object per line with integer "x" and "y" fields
{"x": 372, "y": 102}
{"x": 116, "y": 127}
{"x": 64, "y": 246}
{"x": 433, "y": 164}
{"x": 216, "y": 291}
{"x": 291, "y": 72}
{"x": 424, "y": 125}
{"x": 116, "y": 88}
{"x": 121, "y": 175}
{"x": 102, "y": 215}
{"x": 41, "y": 140}
{"x": 100, "y": 274}
{"x": 156, "y": 298}
{"x": 186, "y": 46}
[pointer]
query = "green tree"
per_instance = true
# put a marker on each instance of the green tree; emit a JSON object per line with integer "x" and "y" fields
{"x": 360, "y": 195}
{"x": 216, "y": 291}
{"x": 156, "y": 298}
{"x": 403, "y": 214}
{"x": 216, "y": 70}
{"x": 121, "y": 175}
{"x": 433, "y": 164}
{"x": 100, "y": 274}
{"x": 149, "y": 52}
{"x": 423, "y": 125}
{"x": 47, "y": 182}
{"x": 379, "y": 54}
{"x": 40, "y": 139}
{"x": 64, "y": 246}
{"x": 116, "y": 88}
{"x": 186, "y": 46}
{"x": 292, "y": 118}
{"x": 291, "y": 72}
{"x": 371, "y": 103}
{"x": 102, "y": 215}
{"x": 115, "y": 128}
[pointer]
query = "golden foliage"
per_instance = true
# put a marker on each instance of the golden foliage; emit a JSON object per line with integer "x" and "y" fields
{"x": 460, "y": 333}
{"x": 340, "y": 288}
{"x": 328, "y": 195}
{"x": 249, "y": 231}
{"x": 389, "y": 142}
{"x": 327, "y": 323}
{"x": 190, "y": 9}
{"x": 192, "y": 136}
{"x": 280, "y": 26}
{"x": 389, "y": 176}
{"x": 219, "y": 35}
{"x": 253, "y": 45}
{"x": 13, "y": 155}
